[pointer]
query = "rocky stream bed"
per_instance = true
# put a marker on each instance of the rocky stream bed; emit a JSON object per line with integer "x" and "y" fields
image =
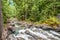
{"x": 30, "y": 32}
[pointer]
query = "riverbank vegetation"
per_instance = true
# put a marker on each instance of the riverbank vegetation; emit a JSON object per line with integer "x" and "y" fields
{"x": 37, "y": 11}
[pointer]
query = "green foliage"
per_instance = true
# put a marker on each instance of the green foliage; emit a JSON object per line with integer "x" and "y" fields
{"x": 52, "y": 21}
{"x": 32, "y": 10}
{"x": 8, "y": 9}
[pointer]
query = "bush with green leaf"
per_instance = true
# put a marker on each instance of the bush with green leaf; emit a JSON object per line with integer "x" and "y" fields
{"x": 32, "y": 10}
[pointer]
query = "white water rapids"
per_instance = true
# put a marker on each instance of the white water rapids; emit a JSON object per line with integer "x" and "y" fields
{"x": 33, "y": 34}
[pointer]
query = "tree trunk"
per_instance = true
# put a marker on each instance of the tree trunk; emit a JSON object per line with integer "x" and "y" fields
{"x": 0, "y": 21}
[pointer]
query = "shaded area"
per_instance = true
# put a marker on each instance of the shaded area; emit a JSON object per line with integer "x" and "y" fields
{"x": 1, "y": 22}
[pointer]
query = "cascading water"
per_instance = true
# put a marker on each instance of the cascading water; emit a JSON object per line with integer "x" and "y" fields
{"x": 33, "y": 34}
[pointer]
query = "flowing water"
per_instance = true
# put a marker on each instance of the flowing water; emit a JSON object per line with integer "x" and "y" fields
{"x": 33, "y": 33}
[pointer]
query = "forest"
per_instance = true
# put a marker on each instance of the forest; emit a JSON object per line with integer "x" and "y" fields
{"x": 32, "y": 10}
{"x": 35, "y": 11}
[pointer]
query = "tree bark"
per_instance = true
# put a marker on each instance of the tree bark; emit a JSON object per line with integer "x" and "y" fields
{"x": 1, "y": 21}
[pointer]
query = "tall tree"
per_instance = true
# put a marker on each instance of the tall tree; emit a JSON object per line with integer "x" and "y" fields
{"x": 0, "y": 21}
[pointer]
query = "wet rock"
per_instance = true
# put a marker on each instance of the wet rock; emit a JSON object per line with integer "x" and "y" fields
{"x": 36, "y": 34}
{"x": 55, "y": 33}
{"x": 58, "y": 29}
{"x": 24, "y": 31}
{"x": 19, "y": 38}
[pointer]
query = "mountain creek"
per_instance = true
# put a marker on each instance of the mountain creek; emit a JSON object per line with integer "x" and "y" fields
{"x": 23, "y": 31}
